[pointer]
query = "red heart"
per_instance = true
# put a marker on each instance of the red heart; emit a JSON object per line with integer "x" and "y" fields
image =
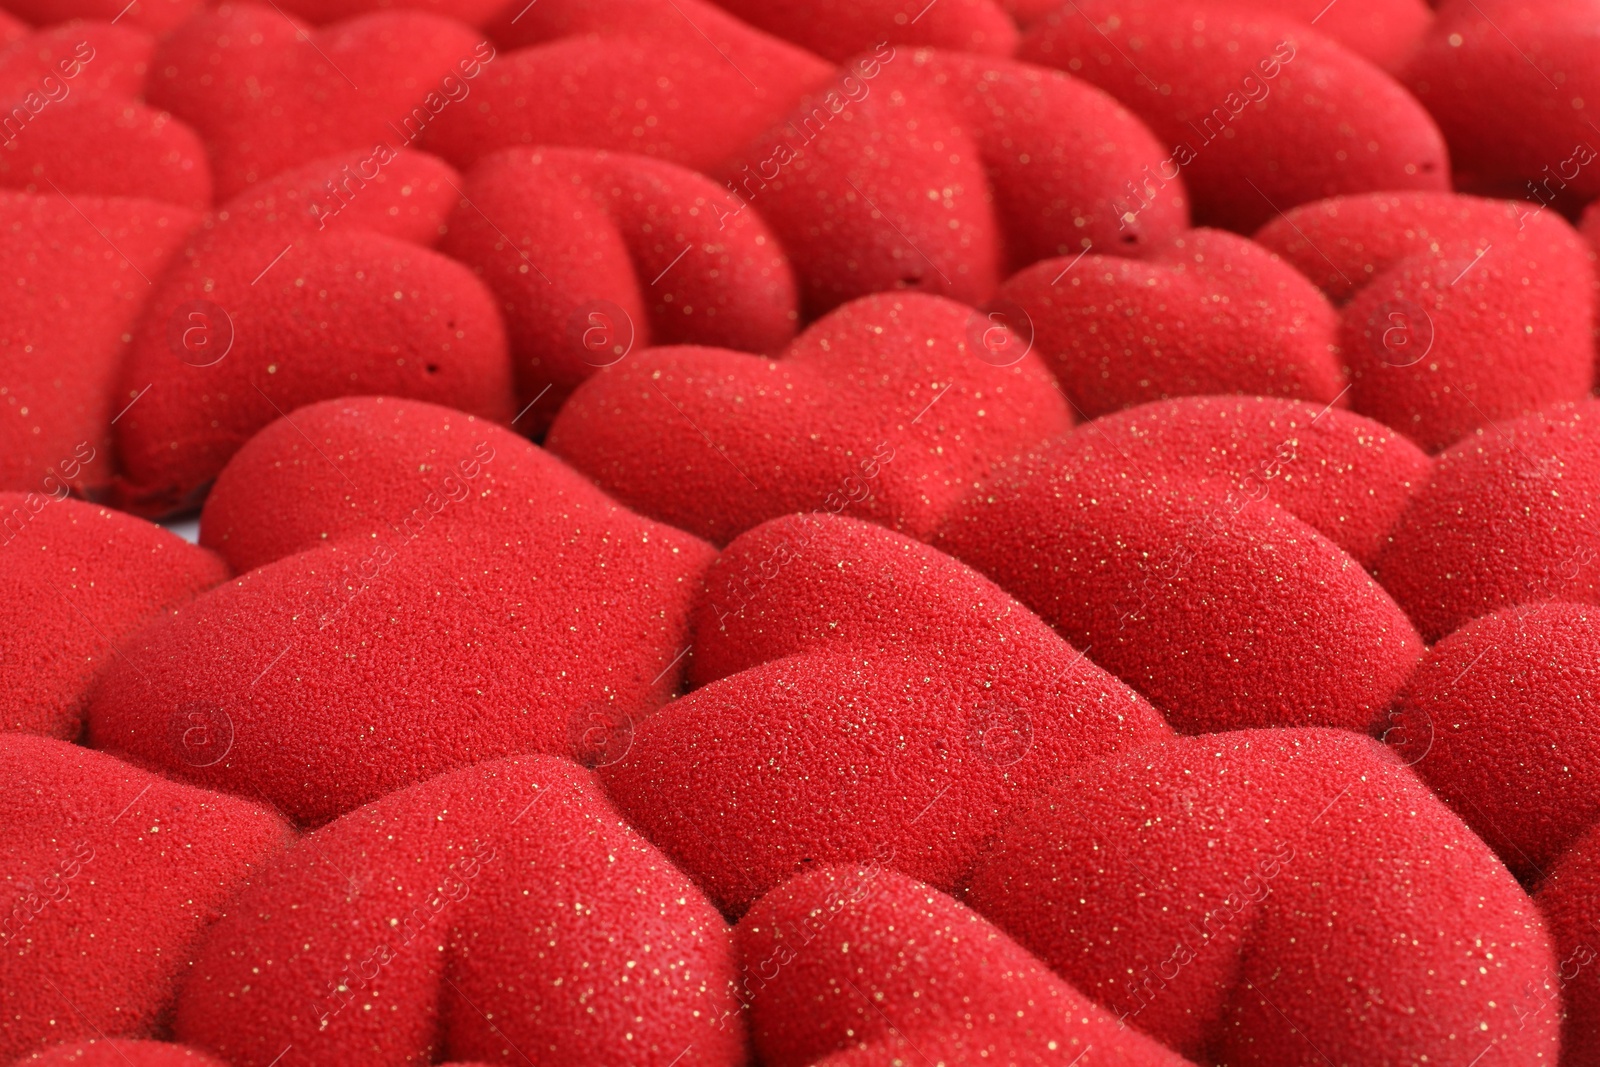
{"x": 461, "y": 596}
{"x": 140, "y": 152}
{"x": 501, "y": 909}
{"x": 76, "y": 581}
{"x": 820, "y": 731}
{"x": 268, "y": 93}
{"x": 82, "y": 281}
{"x": 684, "y": 82}
{"x": 112, "y": 875}
{"x": 1264, "y": 896}
{"x": 889, "y": 407}
{"x": 595, "y": 254}
{"x": 1507, "y": 81}
{"x": 1464, "y": 719}
{"x": 945, "y": 172}
{"x": 1570, "y": 900}
{"x": 286, "y": 299}
{"x": 1457, "y": 311}
{"x": 1221, "y": 607}
{"x": 1206, "y": 312}
{"x": 840, "y": 957}
{"x": 1260, "y": 112}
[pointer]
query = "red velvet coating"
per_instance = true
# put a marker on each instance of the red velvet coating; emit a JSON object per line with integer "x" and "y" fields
{"x": 111, "y": 876}
{"x": 888, "y": 408}
{"x": 1275, "y": 897}
{"x": 1203, "y": 312}
{"x": 496, "y": 910}
{"x": 474, "y": 609}
{"x": 1258, "y": 112}
{"x": 1221, "y": 607}
{"x": 859, "y": 690}
{"x": 594, "y": 255}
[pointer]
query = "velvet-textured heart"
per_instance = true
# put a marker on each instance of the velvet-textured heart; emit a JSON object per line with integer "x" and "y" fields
{"x": 75, "y": 287}
{"x": 821, "y": 732}
{"x": 1205, "y": 312}
{"x": 472, "y": 598}
{"x": 346, "y": 86}
{"x": 595, "y": 254}
{"x": 110, "y": 876}
{"x": 1456, "y": 311}
{"x": 287, "y": 298}
{"x": 889, "y": 407}
{"x": 1262, "y": 896}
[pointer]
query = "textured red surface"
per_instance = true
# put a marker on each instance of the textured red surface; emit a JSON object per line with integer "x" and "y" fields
{"x": 1269, "y": 113}
{"x": 1382, "y": 31}
{"x": 863, "y": 954}
{"x": 73, "y": 296}
{"x": 1346, "y": 476}
{"x": 410, "y": 466}
{"x": 1244, "y": 896}
{"x": 889, "y": 409}
{"x": 1204, "y": 312}
{"x": 408, "y": 196}
{"x": 152, "y": 15}
{"x": 316, "y": 305}
{"x": 111, "y": 876}
{"x": 1507, "y": 518}
{"x": 1341, "y": 243}
{"x": 946, "y": 172}
{"x": 822, "y": 732}
{"x": 684, "y": 82}
{"x": 839, "y": 29}
{"x": 121, "y": 1052}
{"x": 1004, "y": 601}
{"x": 458, "y": 617}
{"x": 1506, "y": 81}
{"x": 76, "y": 581}
{"x": 1222, "y": 608}
{"x": 595, "y": 254}
{"x": 1461, "y": 311}
{"x": 354, "y": 86}
{"x": 499, "y": 909}
{"x": 473, "y": 12}
{"x": 1509, "y": 698}
{"x": 139, "y": 152}
{"x": 1570, "y": 900}
{"x": 85, "y": 59}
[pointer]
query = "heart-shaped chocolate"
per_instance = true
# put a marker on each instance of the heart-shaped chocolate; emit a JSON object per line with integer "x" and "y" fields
{"x": 1507, "y": 81}
{"x": 287, "y": 297}
{"x": 381, "y": 78}
{"x": 683, "y": 82}
{"x": 80, "y": 284}
{"x": 1256, "y": 112}
{"x": 1508, "y": 517}
{"x": 76, "y": 581}
{"x": 844, "y": 956}
{"x": 1221, "y": 607}
{"x": 945, "y": 172}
